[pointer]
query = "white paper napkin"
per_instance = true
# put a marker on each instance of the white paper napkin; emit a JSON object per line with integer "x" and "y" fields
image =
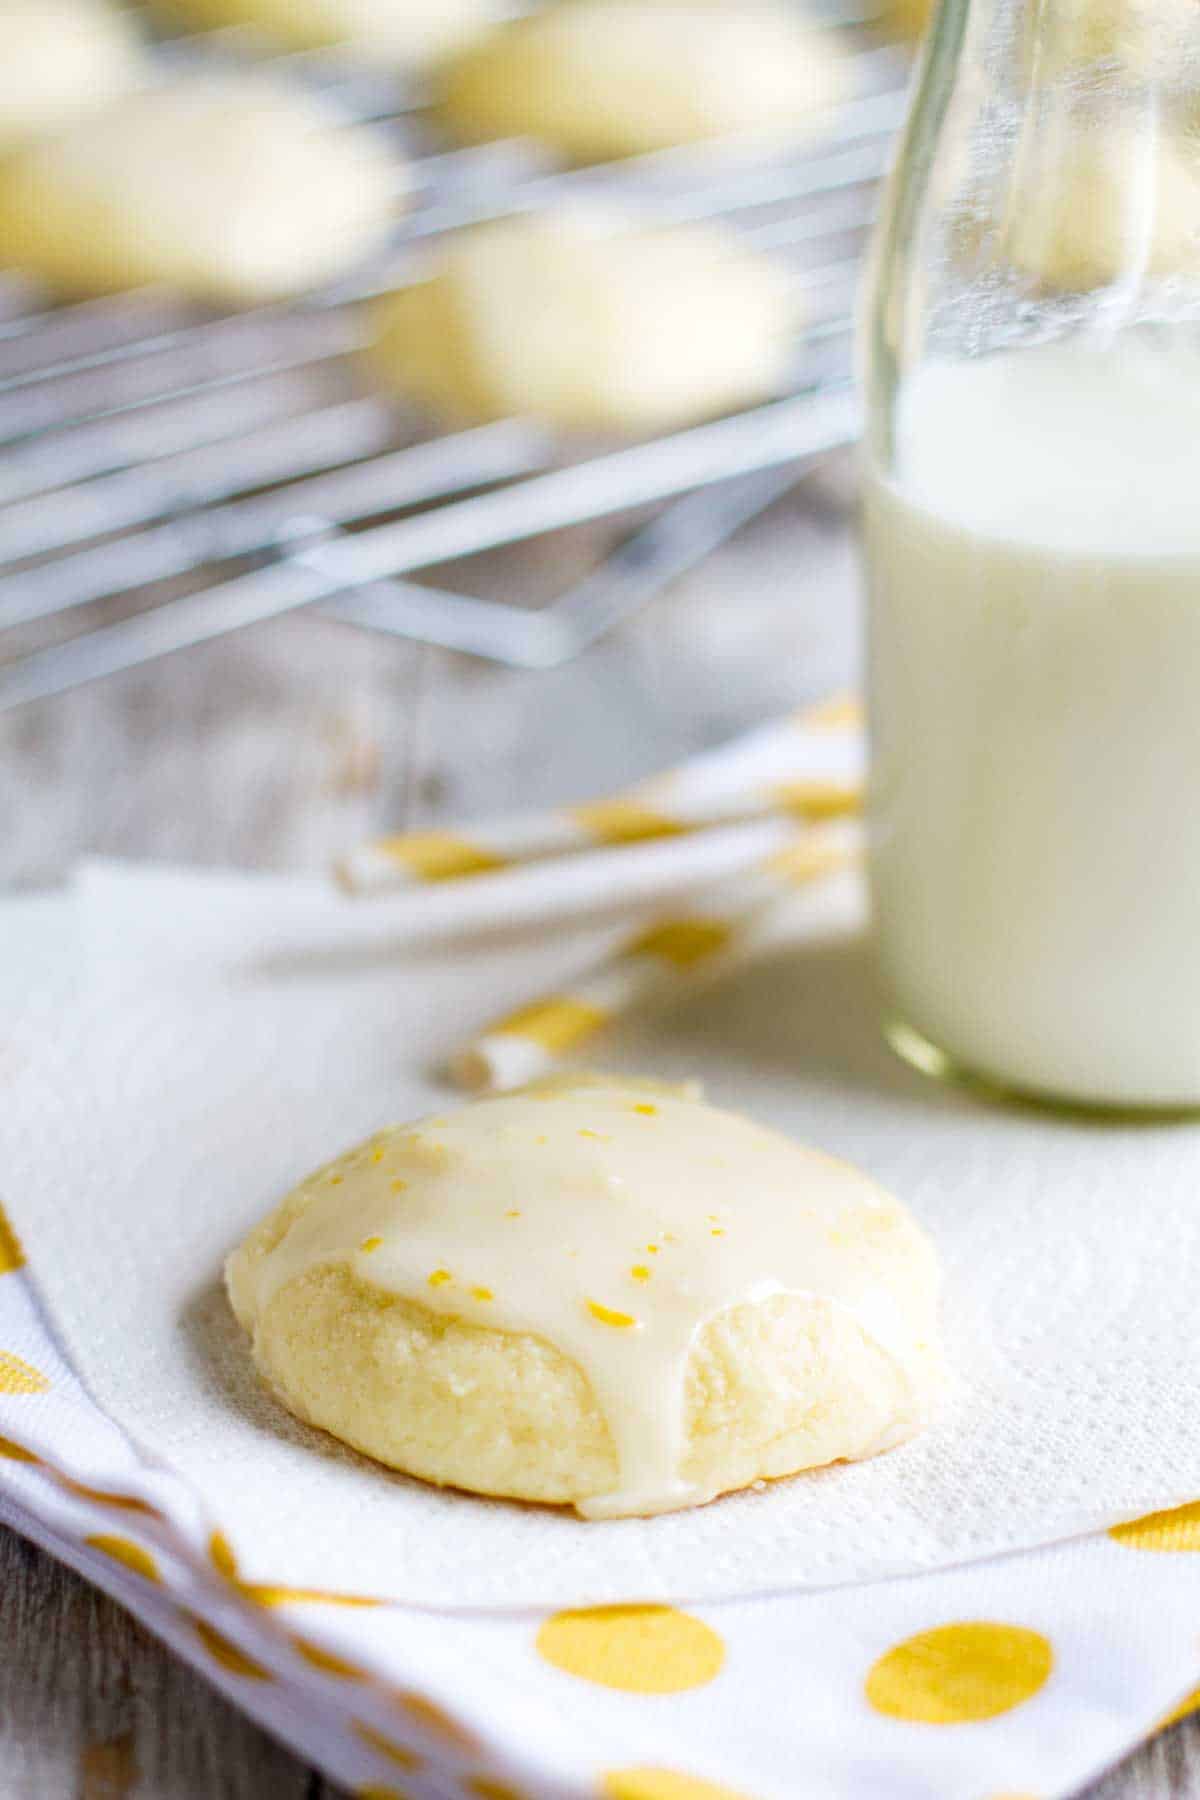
{"x": 215, "y": 1037}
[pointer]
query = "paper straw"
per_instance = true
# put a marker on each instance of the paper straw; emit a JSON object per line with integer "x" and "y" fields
{"x": 807, "y": 768}
{"x": 714, "y": 931}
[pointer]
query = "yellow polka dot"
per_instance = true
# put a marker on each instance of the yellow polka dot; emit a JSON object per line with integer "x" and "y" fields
{"x": 220, "y": 1554}
{"x": 434, "y": 1718}
{"x": 265, "y": 1593}
{"x": 20, "y": 1377}
{"x": 662, "y": 1784}
{"x": 386, "y": 1746}
{"x": 12, "y": 1257}
{"x": 1186, "y": 1707}
{"x": 956, "y": 1674}
{"x": 640, "y": 1649}
{"x": 225, "y": 1652}
{"x": 102, "y": 1497}
{"x": 124, "y": 1550}
{"x": 327, "y": 1662}
{"x": 487, "y": 1788}
{"x": 1178, "y": 1529}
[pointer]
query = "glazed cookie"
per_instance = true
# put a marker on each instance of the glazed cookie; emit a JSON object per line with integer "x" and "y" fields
{"x": 235, "y": 189}
{"x": 407, "y": 34}
{"x": 602, "y": 1294}
{"x": 60, "y": 59}
{"x": 605, "y": 78}
{"x": 589, "y": 319}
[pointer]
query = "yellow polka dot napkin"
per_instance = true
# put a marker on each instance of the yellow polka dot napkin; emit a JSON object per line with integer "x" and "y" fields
{"x": 178, "y": 1048}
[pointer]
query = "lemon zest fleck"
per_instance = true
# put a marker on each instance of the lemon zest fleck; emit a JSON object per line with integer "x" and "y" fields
{"x": 370, "y": 1243}
{"x": 607, "y": 1316}
{"x": 440, "y": 1277}
{"x": 647, "y": 1109}
{"x": 640, "y": 1272}
{"x": 482, "y": 1293}
{"x": 398, "y": 1186}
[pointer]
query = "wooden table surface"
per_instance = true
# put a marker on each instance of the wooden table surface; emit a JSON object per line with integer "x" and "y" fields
{"x": 276, "y": 749}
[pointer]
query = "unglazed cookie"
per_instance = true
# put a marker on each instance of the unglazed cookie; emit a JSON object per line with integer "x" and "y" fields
{"x": 589, "y": 319}
{"x": 1091, "y": 206}
{"x": 235, "y": 188}
{"x": 605, "y": 78}
{"x": 396, "y": 33}
{"x": 602, "y": 1294}
{"x": 60, "y": 59}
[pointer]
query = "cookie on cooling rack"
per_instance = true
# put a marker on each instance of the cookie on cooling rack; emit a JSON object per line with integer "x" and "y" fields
{"x": 404, "y": 34}
{"x": 1077, "y": 221}
{"x": 592, "y": 320}
{"x": 236, "y": 188}
{"x": 60, "y": 59}
{"x": 607, "y": 78}
{"x": 597, "y": 1293}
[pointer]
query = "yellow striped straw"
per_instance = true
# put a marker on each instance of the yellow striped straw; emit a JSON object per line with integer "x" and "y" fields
{"x": 720, "y": 928}
{"x": 806, "y": 768}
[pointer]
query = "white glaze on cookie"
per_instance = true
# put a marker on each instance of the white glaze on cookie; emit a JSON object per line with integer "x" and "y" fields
{"x": 613, "y": 1222}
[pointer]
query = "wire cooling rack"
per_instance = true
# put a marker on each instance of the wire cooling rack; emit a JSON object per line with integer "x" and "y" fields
{"x": 147, "y": 445}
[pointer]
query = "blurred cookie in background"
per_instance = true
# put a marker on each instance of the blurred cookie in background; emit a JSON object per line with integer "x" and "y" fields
{"x": 1090, "y": 206}
{"x": 235, "y": 188}
{"x": 60, "y": 59}
{"x": 591, "y": 319}
{"x": 609, "y": 78}
{"x": 402, "y": 34}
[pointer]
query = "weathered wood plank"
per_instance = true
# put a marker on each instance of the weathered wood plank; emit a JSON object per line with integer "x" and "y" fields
{"x": 92, "y": 1706}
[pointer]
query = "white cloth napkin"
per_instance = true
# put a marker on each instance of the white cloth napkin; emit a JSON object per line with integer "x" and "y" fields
{"x": 178, "y": 1047}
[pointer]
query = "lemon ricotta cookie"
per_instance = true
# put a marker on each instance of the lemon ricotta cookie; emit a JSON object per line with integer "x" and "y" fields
{"x": 602, "y": 1294}
{"x": 404, "y": 34}
{"x": 234, "y": 187}
{"x": 60, "y": 59}
{"x": 611, "y": 78}
{"x": 592, "y": 319}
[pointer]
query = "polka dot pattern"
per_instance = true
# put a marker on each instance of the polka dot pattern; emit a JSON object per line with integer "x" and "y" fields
{"x": 434, "y": 1719}
{"x": 400, "y": 1754}
{"x": 960, "y": 1674}
{"x": 125, "y": 1551}
{"x": 19, "y": 1377}
{"x": 1178, "y": 1529}
{"x": 225, "y": 1652}
{"x": 12, "y": 1257}
{"x": 662, "y": 1784}
{"x": 638, "y": 1649}
{"x": 485, "y": 1787}
{"x": 1187, "y": 1706}
{"x": 327, "y": 1662}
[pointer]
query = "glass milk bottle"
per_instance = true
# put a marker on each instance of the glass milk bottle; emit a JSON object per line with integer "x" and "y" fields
{"x": 1032, "y": 545}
